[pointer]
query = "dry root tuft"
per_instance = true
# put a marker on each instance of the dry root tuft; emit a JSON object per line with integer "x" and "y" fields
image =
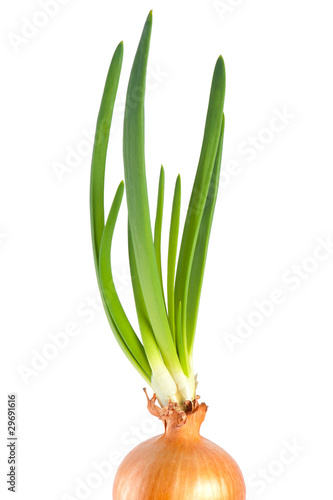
{"x": 172, "y": 411}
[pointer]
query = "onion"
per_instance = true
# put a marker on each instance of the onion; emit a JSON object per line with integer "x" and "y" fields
{"x": 180, "y": 464}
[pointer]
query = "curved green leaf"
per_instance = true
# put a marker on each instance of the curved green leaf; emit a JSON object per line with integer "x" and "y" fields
{"x": 122, "y": 329}
{"x": 97, "y": 215}
{"x": 104, "y": 119}
{"x": 147, "y": 334}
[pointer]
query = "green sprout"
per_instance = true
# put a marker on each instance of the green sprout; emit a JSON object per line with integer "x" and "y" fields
{"x": 164, "y": 353}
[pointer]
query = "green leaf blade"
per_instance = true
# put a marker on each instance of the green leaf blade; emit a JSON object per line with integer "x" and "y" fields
{"x": 138, "y": 206}
{"x": 123, "y": 330}
{"x": 158, "y": 225}
{"x": 200, "y": 253}
{"x": 97, "y": 215}
{"x": 182, "y": 340}
{"x": 172, "y": 253}
{"x": 101, "y": 141}
{"x": 141, "y": 309}
{"x": 201, "y": 185}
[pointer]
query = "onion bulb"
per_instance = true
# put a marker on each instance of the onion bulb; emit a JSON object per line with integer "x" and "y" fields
{"x": 180, "y": 464}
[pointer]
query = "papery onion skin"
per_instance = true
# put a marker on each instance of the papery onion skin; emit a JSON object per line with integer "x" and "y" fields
{"x": 178, "y": 465}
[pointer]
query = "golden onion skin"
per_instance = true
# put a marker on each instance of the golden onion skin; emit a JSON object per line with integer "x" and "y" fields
{"x": 178, "y": 465}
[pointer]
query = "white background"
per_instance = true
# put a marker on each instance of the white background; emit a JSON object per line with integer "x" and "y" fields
{"x": 266, "y": 392}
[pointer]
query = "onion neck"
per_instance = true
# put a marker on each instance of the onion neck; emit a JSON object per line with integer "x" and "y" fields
{"x": 188, "y": 429}
{"x": 180, "y": 421}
